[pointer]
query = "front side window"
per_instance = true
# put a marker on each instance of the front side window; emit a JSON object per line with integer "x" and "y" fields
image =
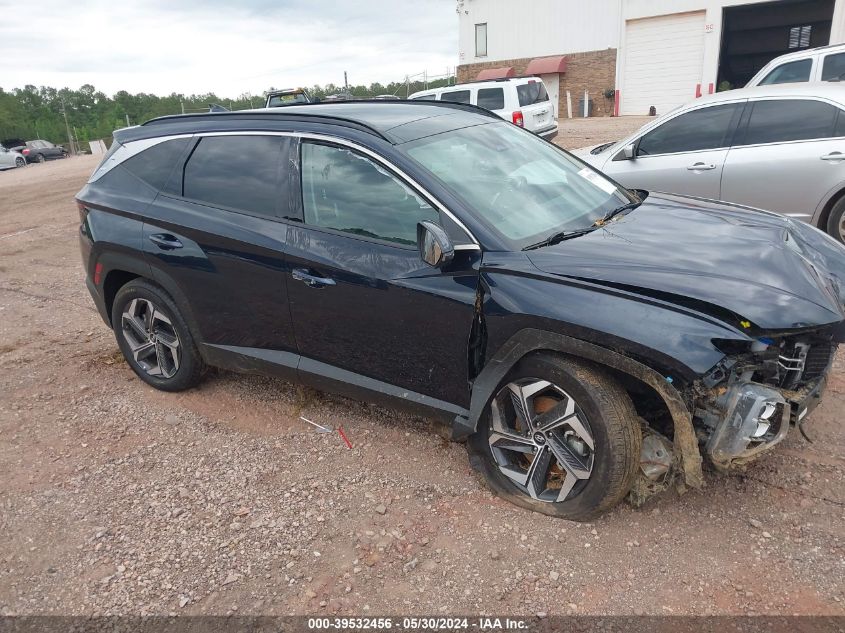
{"x": 491, "y": 98}
{"x": 531, "y": 93}
{"x": 703, "y": 129}
{"x": 793, "y": 72}
{"x": 516, "y": 183}
{"x": 481, "y": 40}
{"x": 236, "y": 172}
{"x": 781, "y": 120}
{"x": 834, "y": 67}
{"x": 345, "y": 191}
{"x": 456, "y": 96}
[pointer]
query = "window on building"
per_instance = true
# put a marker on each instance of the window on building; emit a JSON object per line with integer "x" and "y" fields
{"x": 781, "y": 120}
{"x": 706, "y": 128}
{"x": 789, "y": 73}
{"x": 344, "y": 191}
{"x": 834, "y": 68}
{"x": 235, "y": 172}
{"x": 481, "y": 40}
{"x": 491, "y": 98}
{"x": 456, "y": 96}
{"x": 799, "y": 36}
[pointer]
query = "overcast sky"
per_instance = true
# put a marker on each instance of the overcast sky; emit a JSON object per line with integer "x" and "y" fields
{"x": 223, "y": 46}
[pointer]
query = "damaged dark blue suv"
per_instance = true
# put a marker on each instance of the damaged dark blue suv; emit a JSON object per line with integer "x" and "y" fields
{"x": 588, "y": 341}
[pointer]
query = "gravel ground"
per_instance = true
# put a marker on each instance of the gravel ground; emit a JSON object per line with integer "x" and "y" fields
{"x": 118, "y": 499}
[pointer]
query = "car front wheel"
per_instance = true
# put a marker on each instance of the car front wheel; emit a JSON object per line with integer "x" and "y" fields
{"x": 154, "y": 338}
{"x": 836, "y": 221}
{"x": 560, "y": 437}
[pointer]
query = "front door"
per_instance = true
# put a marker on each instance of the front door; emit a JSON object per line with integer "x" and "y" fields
{"x": 365, "y": 307}
{"x": 685, "y": 154}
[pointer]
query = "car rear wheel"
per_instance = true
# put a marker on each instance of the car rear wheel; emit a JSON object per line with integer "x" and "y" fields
{"x": 154, "y": 338}
{"x": 560, "y": 437}
{"x": 20, "y": 162}
{"x": 836, "y": 221}
{"x": 40, "y": 158}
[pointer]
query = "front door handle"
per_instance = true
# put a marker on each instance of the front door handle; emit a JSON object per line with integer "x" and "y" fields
{"x": 165, "y": 241}
{"x": 833, "y": 156}
{"x": 312, "y": 281}
{"x": 701, "y": 167}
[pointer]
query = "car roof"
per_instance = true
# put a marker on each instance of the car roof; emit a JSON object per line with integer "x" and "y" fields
{"x": 393, "y": 121}
{"x": 807, "y": 52}
{"x": 832, "y": 90}
{"x": 475, "y": 84}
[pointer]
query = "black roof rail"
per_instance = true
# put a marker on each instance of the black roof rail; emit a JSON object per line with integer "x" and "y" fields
{"x": 415, "y": 102}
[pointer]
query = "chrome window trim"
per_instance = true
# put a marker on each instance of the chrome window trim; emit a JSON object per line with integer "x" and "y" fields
{"x": 131, "y": 148}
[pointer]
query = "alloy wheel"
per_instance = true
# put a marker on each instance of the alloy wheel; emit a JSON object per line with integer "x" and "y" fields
{"x": 541, "y": 440}
{"x": 842, "y": 228}
{"x": 151, "y": 337}
{"x": 20, "y": 162}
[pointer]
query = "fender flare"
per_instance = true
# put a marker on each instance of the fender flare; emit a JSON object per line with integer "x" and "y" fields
{"x": 531, "y": 340}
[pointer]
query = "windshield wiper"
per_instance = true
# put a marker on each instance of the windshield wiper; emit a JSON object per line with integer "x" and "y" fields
{"x": 560, "y": 237}
{"x": 614, "y": 212}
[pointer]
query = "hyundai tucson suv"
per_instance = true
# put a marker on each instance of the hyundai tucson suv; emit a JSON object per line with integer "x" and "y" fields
{"x": 586, "y": 340}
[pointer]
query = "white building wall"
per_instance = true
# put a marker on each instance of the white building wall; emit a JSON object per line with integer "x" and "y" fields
{"x": 536, "y": 28}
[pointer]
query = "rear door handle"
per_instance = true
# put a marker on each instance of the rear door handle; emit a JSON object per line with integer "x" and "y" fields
{"x": 700, "y": 167}
{"x": 833, "y": 156}
{"x": 312, "y": 281}
{"x": 165, "y": 241}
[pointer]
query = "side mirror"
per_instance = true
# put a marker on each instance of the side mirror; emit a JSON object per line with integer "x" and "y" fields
{"x": 436, "y": 249}
{"x": 629, "y": 151}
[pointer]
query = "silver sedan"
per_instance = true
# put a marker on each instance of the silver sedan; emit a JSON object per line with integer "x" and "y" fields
{"x": 780, "y": 148}
{"x": 10, "y": 159}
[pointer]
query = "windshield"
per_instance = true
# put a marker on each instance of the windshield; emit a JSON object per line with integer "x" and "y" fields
{"x": 286, "y": 99}
{"x": 521, "y": 186}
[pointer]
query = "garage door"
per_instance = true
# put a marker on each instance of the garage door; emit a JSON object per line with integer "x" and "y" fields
{"x": 663, "y": 59}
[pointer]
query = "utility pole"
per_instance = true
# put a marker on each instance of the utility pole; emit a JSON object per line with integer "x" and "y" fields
{"x": 182, "y": 103}
{"x": 67, "y": 128}
{"x": 127, "y": 120}
{"x": 425, "y": 79}
{"x": 345, "y": 83}
{"x": 407, "y": 86}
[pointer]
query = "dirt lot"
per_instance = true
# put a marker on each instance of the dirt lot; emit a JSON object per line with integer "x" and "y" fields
{"x": 118, "y": 499}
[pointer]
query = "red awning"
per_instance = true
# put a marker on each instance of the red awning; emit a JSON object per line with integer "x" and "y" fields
{"x": 546, "y": 65}
{"x": 495, "y": 73}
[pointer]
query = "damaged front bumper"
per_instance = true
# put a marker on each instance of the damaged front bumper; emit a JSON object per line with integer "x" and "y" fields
{"x": 746, "y": 419}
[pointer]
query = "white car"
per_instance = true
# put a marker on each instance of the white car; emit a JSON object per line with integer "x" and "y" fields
{"x": 10, "y": 159}
{"x": 779, "y": 148}
{"x": 825, "y": 63}
{"x": 522, "y": 101}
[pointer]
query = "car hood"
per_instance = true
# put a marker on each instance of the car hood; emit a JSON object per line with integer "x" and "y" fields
{"x": 726, "y": 260}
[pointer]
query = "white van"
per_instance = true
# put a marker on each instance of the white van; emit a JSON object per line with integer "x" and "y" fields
{"x": 825, "y": 63}
{"x": 523, "y": 101}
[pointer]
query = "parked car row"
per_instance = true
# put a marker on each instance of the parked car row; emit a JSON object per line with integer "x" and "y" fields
{"x": 36, "y": 151}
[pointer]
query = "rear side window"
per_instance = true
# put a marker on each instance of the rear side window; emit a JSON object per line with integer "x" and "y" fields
{"x": 344, "y": 191}
{"x": 706, "y": 128}
{"x": 456, "y": 96}
{"x": 532, "y": 92}
{"x": 236, "y": 172}
{"x": 781, "y": 120}
{"x": 491, "y": 98}
{"x": 154, "y": 165}
{"x": 789, "y": 73}
{"x": 834, "y": 68}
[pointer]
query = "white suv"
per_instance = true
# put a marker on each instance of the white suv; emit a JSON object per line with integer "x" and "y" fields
{"x": 523, "y": 101}
{"x": 825, "y": 63}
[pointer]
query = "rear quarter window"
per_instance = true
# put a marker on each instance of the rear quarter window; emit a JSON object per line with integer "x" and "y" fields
{"x": 154, "y": 165}
{"x": 532, "y": 92}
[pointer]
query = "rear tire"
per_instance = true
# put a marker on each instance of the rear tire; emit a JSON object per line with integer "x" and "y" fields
{"x": 154, "y": 337}
{"x": 589, "y": 479}
{"x": 40, "y": 159}
{"x": 836, "y": 220}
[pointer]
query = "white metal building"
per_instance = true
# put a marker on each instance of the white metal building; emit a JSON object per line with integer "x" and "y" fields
{"x": 666, "y": 51}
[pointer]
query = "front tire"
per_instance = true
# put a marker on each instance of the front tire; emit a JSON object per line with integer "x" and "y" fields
{"x": 836, "y": 221}
{"x": 559, "y": 437}
{"x": 154, "y": 337}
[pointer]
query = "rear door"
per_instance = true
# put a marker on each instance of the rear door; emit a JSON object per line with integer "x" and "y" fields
{"x": 787, "y": 156}
{"x": 535, "y": 105}
{"x": 366, "y": 309}
{"x": 217, "y": 231}
{"x": 684, "y": 154}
